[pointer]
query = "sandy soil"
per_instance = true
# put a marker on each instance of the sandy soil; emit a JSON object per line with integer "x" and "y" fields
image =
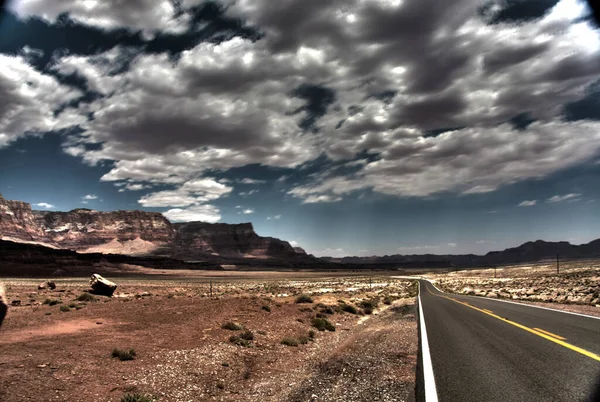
{"x": 184, "y": 354}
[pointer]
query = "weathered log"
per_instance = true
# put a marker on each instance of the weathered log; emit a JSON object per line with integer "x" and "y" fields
{"x": 102, "y": 286}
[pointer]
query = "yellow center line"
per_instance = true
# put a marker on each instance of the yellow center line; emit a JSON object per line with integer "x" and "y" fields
{"x": 550, "y": 333}
{"x": 487, "y": 311}
{"x": 533, "y": 331}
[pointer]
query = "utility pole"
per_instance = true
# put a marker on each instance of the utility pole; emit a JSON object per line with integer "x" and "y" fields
{"x": 557, "y": 264}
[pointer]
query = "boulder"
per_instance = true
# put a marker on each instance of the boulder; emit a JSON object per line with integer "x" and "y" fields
{"x": 3, "y": 304}
{"x": 102, "y": 286}
{"x": 47, "y": 285}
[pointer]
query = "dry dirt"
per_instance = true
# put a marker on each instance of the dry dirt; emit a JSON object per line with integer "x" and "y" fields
{"x": 183, "y": 353}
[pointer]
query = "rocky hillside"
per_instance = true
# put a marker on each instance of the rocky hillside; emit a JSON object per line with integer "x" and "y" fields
{"x": 141, "y": 233}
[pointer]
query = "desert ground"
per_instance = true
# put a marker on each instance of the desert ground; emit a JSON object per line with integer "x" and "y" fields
{"x": 256, "y": 337}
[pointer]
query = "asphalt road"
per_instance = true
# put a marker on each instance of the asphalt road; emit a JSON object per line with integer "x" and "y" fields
{"x": 486, "y": 350}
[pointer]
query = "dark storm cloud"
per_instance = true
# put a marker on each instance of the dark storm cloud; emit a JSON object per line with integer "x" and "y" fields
{"x": 172, "y": 130}
{"x": 510, "y": 56}
{"x": 289, "y": 23}
{"x": 432, "y": 113}
{"x": 516, "y": 11}
{"x": 573, "y": 66}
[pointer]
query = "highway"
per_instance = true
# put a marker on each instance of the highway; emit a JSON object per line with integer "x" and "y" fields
{"x": 478, "y": 349}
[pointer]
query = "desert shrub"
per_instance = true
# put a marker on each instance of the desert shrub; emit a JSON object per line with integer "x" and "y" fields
{"x": 348, "y": 308}
{"x": 413, "y": 289}
{"x": 303, "y": 340}
{"x": 86, "y": 297}
{"x": 72, "y": 305}
{"x": 64, "y": 309}
{"x": 220, "y": 385}
{"x": 369, "y": 304}
{"x": 232, "y": 326}
{"x": 388, "y": 300}
{"x": 136, "y": 398}
{"x": 247, "y": 335}
{"x": 289, "y": 341}
{"x": 123, "y": 355}
{"x": 403, "y": 310}
{"x": 304, "y": 299}
{"x": 225, "y": 364}
{"x": 327, "y": 310}
{"x": 239, "y": 341}
{"x": 266, "y": 308}
{"x": 323, "y": 324}
{"x": 306, "y": 309}
{"x": 51, "y": 302}
{"x": 311, "y": 334}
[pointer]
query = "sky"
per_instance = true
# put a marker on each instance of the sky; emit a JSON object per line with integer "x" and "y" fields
{"x": 355, "y": 127}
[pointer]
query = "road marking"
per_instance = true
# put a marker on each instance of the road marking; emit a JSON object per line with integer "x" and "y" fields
{"x": 533, "y": 331}
{"x": 488, "y": 311}
{"x": 550, "y": 333}
{"x": 428, "y": 377}
{"x": 517, "y": 303}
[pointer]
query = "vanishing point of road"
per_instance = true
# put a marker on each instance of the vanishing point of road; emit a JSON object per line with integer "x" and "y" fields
{"x": 478, "y": 349}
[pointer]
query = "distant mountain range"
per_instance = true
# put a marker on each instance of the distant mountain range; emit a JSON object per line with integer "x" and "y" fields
{"x": 528, "y": 252}
{"x": 73, "y": 239}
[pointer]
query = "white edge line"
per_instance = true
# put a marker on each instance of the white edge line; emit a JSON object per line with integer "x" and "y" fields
{"x": 428, "y": 378}
{"x": 521, "y": 304}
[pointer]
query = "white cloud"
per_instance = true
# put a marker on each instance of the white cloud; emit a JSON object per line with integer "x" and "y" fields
{"x": 238, "y": 206}
{"x": 218, "y": 106}
{"x": 203, "y": 213}
{"x": 293, "y": 243}
{"x": 559, "y": 198}
{"x": 452, "y": 245}
{"x": 275, "y": 217}
{"x": 30, "y": 99}
{"x": 146, "y": 16}
{"x": 89, "y": 197}
{"x": 193, "y": 192}
{"x": 248, "y": 193}
{"x": 252, "y": 181}
{"x": 45, "y": 205}
{"x": 527, "y": 203}
{"x": 248, "y": 211}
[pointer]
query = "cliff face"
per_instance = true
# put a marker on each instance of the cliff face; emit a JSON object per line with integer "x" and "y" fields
{"x": 81, "y": 229}
{"x": 237, "y": 241}
{"x": 18, "y": 221}
{"x": 139, "y": 233}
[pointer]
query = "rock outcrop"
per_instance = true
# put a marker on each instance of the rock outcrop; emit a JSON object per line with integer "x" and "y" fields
{"x": 17, "y": 221}
{"x": 236, "y": 241}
